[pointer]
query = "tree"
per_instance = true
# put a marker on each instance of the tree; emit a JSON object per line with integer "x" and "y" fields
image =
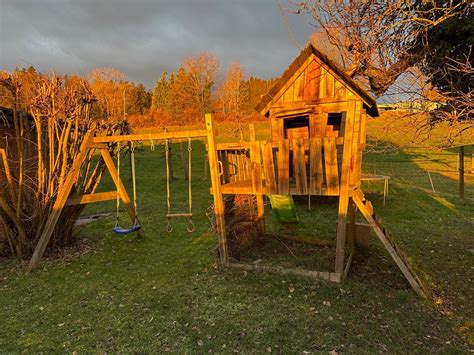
{"x": 108, "y": 85}
{"x": 232, "y": 94}
{"x": 137, "y": 99}
{"x": 255, "y": 88}
{"x": 160, "y": 92}
{"x": 201, "y": 71}
{"x": 382, "y": 39}
{"x": 39, "y": 160}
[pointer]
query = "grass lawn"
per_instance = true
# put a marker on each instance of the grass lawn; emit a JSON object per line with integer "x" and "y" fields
{"x": 164, "y": 292}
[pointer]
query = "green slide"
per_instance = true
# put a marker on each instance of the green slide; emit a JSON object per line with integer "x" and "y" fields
{"x": 284, "y": 208}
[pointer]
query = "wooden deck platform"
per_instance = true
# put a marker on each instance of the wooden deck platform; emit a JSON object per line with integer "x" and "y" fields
{"x": 245, "y": 187}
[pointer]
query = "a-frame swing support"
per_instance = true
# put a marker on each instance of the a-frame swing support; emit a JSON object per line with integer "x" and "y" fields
{"x": 89, "y": 143}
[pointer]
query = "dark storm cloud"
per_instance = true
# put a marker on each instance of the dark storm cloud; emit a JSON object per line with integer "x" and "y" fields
{"x": 144, "y": 38}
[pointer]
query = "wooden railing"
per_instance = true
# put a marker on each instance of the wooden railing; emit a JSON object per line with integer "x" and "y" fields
{"x": 296, "y": 167}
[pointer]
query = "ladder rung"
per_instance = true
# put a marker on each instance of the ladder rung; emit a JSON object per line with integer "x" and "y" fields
{"x": 179, "y": 215}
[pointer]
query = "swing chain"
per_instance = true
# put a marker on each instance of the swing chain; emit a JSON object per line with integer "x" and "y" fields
{"x": 134, "y": 182}
{"x": 169, "y": 226}
{"x": 118, "y": 196}
{"x": 190, "y": 227}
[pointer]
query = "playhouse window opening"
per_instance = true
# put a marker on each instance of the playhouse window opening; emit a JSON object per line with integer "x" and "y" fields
{"x": 295, "y": 123}
{"x": 336, "y": 121}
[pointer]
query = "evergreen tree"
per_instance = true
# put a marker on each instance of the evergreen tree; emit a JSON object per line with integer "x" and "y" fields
{"x": 160, "y": 92}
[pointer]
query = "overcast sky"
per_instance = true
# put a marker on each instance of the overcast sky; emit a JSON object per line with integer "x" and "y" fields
{"x": 143, "y": 38}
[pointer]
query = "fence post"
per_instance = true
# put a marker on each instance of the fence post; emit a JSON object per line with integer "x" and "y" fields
{"x": 461, "y": 171}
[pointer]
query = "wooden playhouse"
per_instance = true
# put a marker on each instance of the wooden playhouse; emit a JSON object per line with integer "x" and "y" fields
{"x": 318, "y": 120}
{"x": 318, "y": 117}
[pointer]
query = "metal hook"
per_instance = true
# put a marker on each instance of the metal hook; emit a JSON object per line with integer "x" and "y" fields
{"x": 221, "y": 167}
{"x": 190, "y": 228}
{"x": 169, "y": 226}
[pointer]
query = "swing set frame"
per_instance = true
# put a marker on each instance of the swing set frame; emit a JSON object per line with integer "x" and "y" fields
{"x": 217, "y": 170}
{"x": 99, "y": 143}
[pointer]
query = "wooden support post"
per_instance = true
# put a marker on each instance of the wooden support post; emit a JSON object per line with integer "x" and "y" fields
{"x": 216, "y": 190}
{"x": 259, "y": 197}
{"x": 461, "y": 171}
{"x": 61, "y": 199}
{"x": 354, "y": 108}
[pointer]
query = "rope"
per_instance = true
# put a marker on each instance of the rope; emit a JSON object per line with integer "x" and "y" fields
{"x": 134, "y": 183}
{"x": 190, "y": 227}
{"x": 169, "y": 226}
{"x": 118, "y": 196}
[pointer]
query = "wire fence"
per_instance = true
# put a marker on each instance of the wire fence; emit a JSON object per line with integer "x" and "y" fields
{"x": 433, "y": 171}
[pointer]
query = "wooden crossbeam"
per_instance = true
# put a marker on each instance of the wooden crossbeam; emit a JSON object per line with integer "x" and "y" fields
{"x": 151, "y": 136}
{"x": 91, "y": 198}
{"x": 321, "y": 275}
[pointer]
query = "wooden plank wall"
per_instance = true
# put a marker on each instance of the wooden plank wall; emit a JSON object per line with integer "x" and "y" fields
{"x": 315, "y": 81}
{"x": 314, "y": 168}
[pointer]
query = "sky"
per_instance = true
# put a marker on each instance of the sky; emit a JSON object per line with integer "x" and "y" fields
{"x": 143, "y": 38}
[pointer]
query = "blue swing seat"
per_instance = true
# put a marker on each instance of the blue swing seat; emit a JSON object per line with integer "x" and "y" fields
{"x": 125, "y": 231}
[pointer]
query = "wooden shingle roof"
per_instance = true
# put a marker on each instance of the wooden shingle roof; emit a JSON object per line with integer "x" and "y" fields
{"x": 369, "y": 102}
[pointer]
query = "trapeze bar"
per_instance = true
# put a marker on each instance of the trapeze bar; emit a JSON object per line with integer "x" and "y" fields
{"x": 179, "y": 215}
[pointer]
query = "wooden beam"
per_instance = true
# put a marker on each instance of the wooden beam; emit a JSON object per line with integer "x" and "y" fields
{"x": 315, "y": 166}
{"x": 299, "y": 167}
{"x": 256, "y": 163}
{"x": 216, "y": 190}
{"x": 269, "y": 167}
{"x": 391, "y": 247}
{"x": 354, "y": 109}
{"x": 320, "y": 275}
{"x": 61, "y": 199}
{"x": 98, "y": 146}
{"x": 331, "y": 167}
{"x": 91, "y": 198}
{"x": 284, "y": 167}
{"x": 151, "y": 136}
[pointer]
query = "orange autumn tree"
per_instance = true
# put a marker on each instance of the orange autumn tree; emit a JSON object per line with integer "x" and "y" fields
{"x": 48, "y": 132}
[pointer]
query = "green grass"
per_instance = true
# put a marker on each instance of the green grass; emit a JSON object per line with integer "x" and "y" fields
{"x": 165, "y": 293}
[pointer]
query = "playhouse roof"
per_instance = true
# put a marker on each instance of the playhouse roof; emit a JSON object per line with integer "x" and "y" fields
{"x": 271, "y": 96}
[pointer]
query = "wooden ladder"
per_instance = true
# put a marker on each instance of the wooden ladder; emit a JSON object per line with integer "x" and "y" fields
{"x": 393, "y": 249}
